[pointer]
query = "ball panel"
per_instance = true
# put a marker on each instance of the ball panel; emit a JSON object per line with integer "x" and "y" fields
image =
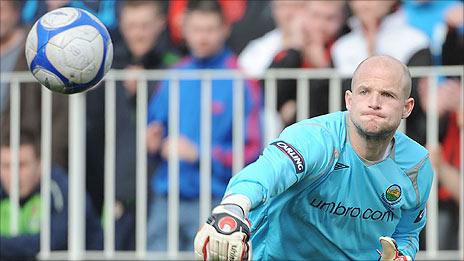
{"x": 31, "y": 45}
{"x": 59, "y": 17}
{"x": 94, "y": 18}
{"x": 85, "y": 32}
{"x": 109, "y": 56}
{"x": 78, "y": 57}
{"x": 89, "y": 73}
{"x": 47, "y": 78}
{"x": 59, "y": 60}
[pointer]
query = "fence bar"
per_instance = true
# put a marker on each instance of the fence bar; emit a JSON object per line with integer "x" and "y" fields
{"x": 46, "y": 160}
{"x": 205, "y": 140}
{"x": 76, "y": 222}
{"x": 270, "y": 102}
{"x": 302, "y": 99}
{"x": 15, "y": 96}
{"x": 141, "y": 169}
{"x": 173, "y": 169}
{"x": 281, "y": 73}
{"x": 461, "y": 170}
{"x": 432, "y": 140}
{"x": 110, "y": 158}
{"x": 238, "y": 126}
{"x": 335, "y": 94}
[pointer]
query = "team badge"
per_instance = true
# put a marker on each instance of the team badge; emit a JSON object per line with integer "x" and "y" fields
{"x": 392, "y": 195}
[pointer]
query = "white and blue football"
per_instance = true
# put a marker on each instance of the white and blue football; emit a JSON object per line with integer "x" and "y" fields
{"x": 69, "y": 50}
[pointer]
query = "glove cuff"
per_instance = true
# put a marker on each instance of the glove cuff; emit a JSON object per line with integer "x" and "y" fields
{"x": 240, "y": 200}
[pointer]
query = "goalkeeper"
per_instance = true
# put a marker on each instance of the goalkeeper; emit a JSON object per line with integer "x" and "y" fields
{"x": 330, "y": 187}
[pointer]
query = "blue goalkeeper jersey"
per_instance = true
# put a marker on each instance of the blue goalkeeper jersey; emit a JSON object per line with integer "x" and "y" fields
{"x": 314, "y": 198}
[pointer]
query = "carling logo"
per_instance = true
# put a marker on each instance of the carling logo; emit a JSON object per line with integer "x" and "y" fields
{"x": 292, "y": 153}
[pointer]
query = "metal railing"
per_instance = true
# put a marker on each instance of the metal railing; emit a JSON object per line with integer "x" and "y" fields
{"x": 77, "y": 157}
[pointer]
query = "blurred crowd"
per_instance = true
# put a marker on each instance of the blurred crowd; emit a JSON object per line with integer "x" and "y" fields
{"x": 247, "y": 35}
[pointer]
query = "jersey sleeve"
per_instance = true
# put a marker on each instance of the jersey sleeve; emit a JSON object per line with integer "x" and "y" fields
{"x": 301, "y": 151}
{"x": 413, "y": 220}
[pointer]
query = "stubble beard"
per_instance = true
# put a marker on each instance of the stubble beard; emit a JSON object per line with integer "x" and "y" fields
{"x": 381, "y": 135}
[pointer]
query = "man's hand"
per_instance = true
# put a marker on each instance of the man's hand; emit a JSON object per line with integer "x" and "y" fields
{"x": 390, "y": 250}
{"x": 186, "y": 149}
{"x": 225, "y": 236}
{"x": 131, "y": 83}
{"x": 154, "y": 135}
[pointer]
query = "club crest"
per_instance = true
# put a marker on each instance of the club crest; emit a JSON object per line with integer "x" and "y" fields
{"x": 393, "y": 194}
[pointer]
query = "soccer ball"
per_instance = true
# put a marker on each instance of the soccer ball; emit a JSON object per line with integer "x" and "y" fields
{"x": 69, "y": 50}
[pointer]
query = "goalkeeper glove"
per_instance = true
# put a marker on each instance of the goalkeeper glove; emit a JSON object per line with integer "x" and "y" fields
{"x": 225, "y": 236}
{"x": 390, "y": 250}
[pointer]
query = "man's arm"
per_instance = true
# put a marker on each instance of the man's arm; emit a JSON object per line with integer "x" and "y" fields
{"x": 157, "y": 118}
{"x": 302, "y": 150}
{"x": 413, "y": 220}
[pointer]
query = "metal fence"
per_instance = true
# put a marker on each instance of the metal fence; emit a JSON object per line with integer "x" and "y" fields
{"x": 76, "y": 239}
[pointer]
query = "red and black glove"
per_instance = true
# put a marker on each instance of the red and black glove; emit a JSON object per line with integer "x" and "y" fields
{"x": 225, "y": 236}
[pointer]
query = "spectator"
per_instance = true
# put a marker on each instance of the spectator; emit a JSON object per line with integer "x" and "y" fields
{"x": 12, "y": 35}
{"x": 430, "y": 18}
{"x": 453, "y": 46}
{"x": 255, "y": 22}
{"x": 26, "y": 244}
{"x": 447, "y": 158}
{"x": 248, "y": 20}
{"x": 145, "y": 46}
{"x": 205, "y": 32}
{"x": 12, "y": 41}
{"x": 313, "y": 31}
{"x": 378, "y": 29}
{"x": 258, "y": 54}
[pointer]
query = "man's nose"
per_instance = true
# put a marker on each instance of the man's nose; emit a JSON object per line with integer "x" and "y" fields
{"x": 374, "y": 101}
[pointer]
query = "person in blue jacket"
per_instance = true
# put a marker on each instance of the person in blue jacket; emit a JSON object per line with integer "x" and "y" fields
{"x": 205, "y": 33}
{"x": 328, "y": 188}
{"x": 26, "y": 243}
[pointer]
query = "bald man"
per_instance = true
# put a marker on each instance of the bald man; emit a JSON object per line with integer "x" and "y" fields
{"x": 338, "y": 186}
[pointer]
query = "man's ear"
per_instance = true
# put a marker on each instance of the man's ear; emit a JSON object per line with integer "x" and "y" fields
{"x": 408, "y": 106}
{"x": 348, "y": 99}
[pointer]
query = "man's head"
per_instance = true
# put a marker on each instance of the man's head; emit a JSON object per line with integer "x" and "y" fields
{"x": 323, "y": 19}
{"x": 9, "y": 18}
{"x": 284, "y": 12}
{"x": 141, "y": 23}
{"x": 379, "y": 96}
{"x": 371, "y": 11}
{"x": 204, "y": 28}
{"x": 29, "y": 163}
